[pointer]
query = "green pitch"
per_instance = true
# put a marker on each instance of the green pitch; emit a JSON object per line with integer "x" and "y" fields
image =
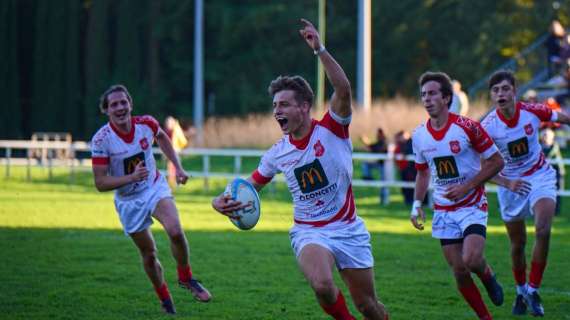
{"x": 64, "y": 256}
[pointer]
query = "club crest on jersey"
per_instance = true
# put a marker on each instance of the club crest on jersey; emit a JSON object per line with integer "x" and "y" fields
{"x": 454, "y": 146}
{"x": 319, "y": 148}
{"x": 528, "y": 129}
{"x": 144, "y": 143}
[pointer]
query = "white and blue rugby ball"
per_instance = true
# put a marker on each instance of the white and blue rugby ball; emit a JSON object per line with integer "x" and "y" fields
{"x": 243, "y": 191}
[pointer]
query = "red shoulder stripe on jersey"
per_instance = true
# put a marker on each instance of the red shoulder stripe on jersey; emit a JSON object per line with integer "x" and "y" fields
{"x": 421, "y": 166}
{"x": 347, "y": 210}
{"x": 541, "y": 161}
{"x": 480, "y": 139}
{"x": 541, "y": 111}
{"x": 150, "y": 121}
{"x": 512, "y": 122}
{"x": 469, "y": 201}
{"x": 259, "y": 178}
{"x": 302, "y": 143}
{"x": 127, "y": 137}
{"x": 99, "y": 161}
{"x": 338, "y": 129}
{"x": 439, "y": 134}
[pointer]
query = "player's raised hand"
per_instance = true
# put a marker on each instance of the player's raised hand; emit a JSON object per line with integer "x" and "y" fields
{"x": 310, "y": 34}
{"x": 140, "y": 173}
{"x": 519, "y": 186}
{"x": 225, "y": 205}
{"x": 418, "y": 217}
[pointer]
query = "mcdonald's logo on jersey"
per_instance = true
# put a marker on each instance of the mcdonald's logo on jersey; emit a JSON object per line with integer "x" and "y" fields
{"x": 130, "y": 163}
{"x": 311, "y": 177}
{"x": 518, "y": 148}
{"x": 446, "y": 167}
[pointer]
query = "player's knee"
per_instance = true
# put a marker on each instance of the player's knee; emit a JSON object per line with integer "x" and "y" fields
{"x": 472, "y": 261}
{"x": 323, "y": 288}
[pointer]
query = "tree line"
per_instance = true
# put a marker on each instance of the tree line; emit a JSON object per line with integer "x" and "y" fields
{"x": 58, "y": 56}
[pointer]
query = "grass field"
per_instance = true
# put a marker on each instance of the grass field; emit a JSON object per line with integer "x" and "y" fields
{"x": 65, "y": 257}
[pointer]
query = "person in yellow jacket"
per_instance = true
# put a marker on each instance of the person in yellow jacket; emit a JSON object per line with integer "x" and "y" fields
{"x": 179, "y": 142}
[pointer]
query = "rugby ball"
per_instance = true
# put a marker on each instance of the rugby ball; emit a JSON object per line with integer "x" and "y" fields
{"x": 243, "y": 191}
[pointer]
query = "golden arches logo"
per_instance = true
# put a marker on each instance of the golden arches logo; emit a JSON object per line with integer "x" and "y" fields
{"x": 446, "y": 167}
{"x": 132, "y": 164}
{"x": 519, "y": 148}
{"x": 311, "y": 175}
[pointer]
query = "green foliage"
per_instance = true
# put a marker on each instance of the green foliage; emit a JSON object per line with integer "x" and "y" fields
{"x": 59, "y": 58}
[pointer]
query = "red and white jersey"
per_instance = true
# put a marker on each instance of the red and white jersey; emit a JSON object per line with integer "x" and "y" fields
{"x": 517, "y": 138}
{"x": 453, "y": 155}
{"x": 122, "y": 152}
{"x": 318, "y": 172}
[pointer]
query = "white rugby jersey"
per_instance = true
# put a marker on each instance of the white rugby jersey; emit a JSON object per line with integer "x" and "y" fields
{"x": 318, "y": 172}
{"x": 122, "y": 152}
{"x": 453, "y": 155}
{"x": 517, "y": 138}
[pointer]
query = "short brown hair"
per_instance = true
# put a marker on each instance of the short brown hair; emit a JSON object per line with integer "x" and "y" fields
{"x": 297, "y": 84}
{"x": 500, "y": 76}
{"x": 104, "y": 102}
{"x": 444, "y": 83}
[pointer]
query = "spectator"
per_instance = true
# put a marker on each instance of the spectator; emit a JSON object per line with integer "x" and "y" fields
{"x": 379, "y": 146}
{"x": 555, "y": 45}
{"x": 551, "y": 150}
{"x": 562, "y": 82}
{"x": 179, "y": 142}
{"x": 407, "y": 168}
{"x": 460, "y": 102}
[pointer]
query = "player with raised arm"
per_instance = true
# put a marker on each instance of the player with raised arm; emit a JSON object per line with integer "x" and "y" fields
{"x": 123, "y": 161}
{"x": 315, "y": 157}
{"x": 459, "y": 157}
{"x": 527, "y": 184}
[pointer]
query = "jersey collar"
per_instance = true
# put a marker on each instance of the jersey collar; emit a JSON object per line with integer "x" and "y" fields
{"x": 126, "y": 137}
{"x": 302, "y": 143}
{"x": 439, "y": 134}
{"x": 512, "y": 122}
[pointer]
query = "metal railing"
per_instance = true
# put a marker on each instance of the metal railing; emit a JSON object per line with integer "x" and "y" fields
{"x": 238, "y": 154}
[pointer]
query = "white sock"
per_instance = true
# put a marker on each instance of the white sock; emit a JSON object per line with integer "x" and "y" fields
{"x": 530, "y": 289}
{"x": 521, "y": 290}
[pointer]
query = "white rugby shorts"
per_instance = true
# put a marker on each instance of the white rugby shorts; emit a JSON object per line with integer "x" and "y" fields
{"x": 452, "y": 224}
{"x": 515, "y": 207}
{"x": 350, "y": 246}
{"x": 136, "y": 212}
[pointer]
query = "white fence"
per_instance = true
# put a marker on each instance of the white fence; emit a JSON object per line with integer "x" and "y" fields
{"x": 74, "y": 164}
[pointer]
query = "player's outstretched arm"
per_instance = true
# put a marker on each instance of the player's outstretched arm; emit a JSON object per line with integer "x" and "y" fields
{"x": 417, "y": 214}
{"x": 165, "y": 144}
{"x": 341, "y": 99}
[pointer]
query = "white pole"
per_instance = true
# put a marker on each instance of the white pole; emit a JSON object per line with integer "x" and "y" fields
{"x": 198, "y": 72}
{"x": 364, "y": 64}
